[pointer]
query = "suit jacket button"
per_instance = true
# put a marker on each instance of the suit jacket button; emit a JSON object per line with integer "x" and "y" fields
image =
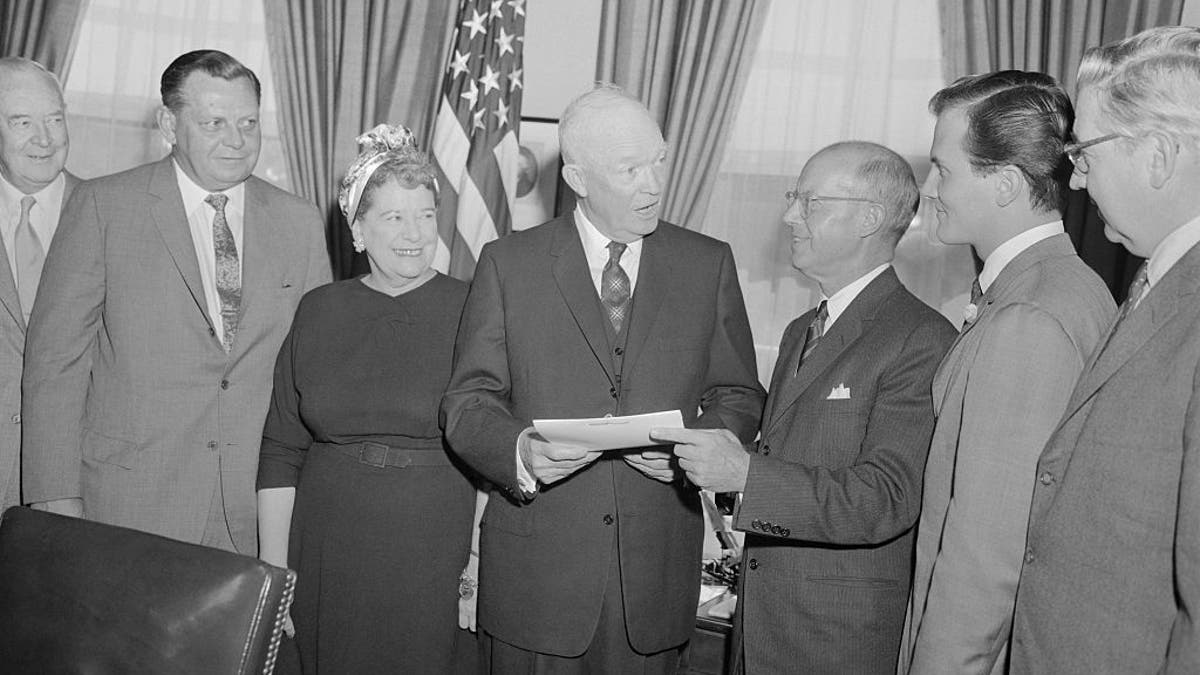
{"x": 224, "y": 384}
{"x": 753, "y": 564}
{"x": 619, "y": 351}
{"x": 612, "y": 391}
{"x": 775, "y": 529}
{"x": 1029, "y": 555}
{"x": 212, "y": 445}
{"x": 786, "y": 532}
{"x": 1046, "y": 478}
{"x": 756, "y": 523}
{"x": 608, "y": 519}
{"x": 212, "y": 331}
{"x": 766, "y": 449}
{"x": 16, "y": 419}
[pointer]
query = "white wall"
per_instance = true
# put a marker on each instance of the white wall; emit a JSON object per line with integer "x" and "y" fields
{"x": 561, "y": 39}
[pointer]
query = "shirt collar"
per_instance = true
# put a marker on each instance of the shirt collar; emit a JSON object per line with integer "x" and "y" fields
{"x": 1171, "y": 249}
{"x": 194, "y": 195}
{"x": 839, "y": 301}
{"x": 1006, "y": 252}
{"x": 10, "y": 196}
{"x": 595, "y": 243}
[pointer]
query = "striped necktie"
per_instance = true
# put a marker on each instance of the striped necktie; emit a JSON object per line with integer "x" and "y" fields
{"x": 813, "y": 334}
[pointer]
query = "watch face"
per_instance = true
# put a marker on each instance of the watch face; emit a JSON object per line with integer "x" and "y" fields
{"x": 466, "y": 587}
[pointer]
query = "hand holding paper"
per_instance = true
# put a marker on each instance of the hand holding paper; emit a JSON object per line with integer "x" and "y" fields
{"x": 550, "y": 462}
{"x": 714, "y": 459}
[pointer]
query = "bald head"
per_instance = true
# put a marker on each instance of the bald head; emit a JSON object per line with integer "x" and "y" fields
{"x": 879, "y": 174}
{"x": 33, "y": 128}
{"x": 614, "y": 159}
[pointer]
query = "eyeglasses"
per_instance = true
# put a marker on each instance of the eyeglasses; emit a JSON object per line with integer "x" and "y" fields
{"x": 811, "y": 203}
{"x": 1074, "y": 151}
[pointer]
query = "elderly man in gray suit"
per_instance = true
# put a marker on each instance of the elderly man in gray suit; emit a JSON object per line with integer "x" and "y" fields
{"x": 1111, "y": 578}
{"x": 33, "y": 186}
{"x": 163, "y": 302}
{"x": 1037, "y": 312}
{"x": 830, "y": 493}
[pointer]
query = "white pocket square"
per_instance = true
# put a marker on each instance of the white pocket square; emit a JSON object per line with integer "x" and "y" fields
{"x": 839, "y": 393}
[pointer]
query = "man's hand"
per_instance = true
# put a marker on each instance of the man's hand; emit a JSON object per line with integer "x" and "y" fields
{"x": 655, "y": 464}
{"x": 549, "y": 462}
{"x": 72, "y": 506}
{"x": 713, "y": 459}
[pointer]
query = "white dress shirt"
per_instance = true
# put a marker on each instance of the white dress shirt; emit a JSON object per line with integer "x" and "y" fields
{"x": 43, "y": 217}
{"x": 200, "y": 222}
{"x": 1004, "y": 253}
{"x": 839, "y": 301}
{"x": 1170, "y": 250}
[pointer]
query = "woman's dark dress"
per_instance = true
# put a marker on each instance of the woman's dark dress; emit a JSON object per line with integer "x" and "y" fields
{"x": 377, "y": 551}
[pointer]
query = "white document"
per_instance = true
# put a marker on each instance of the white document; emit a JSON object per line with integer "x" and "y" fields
{"x": 608, "y": 433}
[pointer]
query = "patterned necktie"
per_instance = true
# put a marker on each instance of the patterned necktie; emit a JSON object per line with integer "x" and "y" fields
{"x": 614, "y": 285}
{"x": 229, "y": 275}
{"x": 813, "y": 334}
{"x": 1136, "y": 290}
{"x": 30, "y": 255}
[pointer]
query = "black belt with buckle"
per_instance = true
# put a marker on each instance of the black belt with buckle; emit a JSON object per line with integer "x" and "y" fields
{"x": 380, "y": 455}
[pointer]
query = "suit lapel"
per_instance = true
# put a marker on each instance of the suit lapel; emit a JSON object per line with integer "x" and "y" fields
{"x": 854, "y": 321}
{"x": 8, "y": 289}
{"x": 574, "y": 282}
{"x": 167, "y": 212}
{"x": 654, "y": 275}
{"x": 1170, "y": 295}
{"x": 785, "y": 364}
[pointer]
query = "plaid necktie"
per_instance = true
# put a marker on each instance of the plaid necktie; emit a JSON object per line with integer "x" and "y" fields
{"x": 30, "y": 255}
{"x": 813, "y": 334}
{"x": 229, "y": 275}
{"x": 614, "y": 284}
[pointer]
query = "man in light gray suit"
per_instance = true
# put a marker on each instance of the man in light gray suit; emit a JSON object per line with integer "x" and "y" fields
{"x": 33, "y": 186}
{"x": 164, "y": 300}
{"x": 1036, "y": 313}
{"x": 1111, "y": 578}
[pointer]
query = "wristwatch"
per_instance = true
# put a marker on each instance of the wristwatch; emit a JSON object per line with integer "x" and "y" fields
{"x": 466, "y": 586}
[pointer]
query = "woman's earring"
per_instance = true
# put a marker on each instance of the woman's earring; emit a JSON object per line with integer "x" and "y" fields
{"x": 359, "y": 245}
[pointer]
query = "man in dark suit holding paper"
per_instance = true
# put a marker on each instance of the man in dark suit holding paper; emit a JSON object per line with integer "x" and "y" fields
{"x": 831, "y": 494}
{"x": 590, "y": 563}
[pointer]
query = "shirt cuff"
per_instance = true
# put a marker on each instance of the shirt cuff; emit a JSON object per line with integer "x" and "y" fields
{"x": 525, "y": 480}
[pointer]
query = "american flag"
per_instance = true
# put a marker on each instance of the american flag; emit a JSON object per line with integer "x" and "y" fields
{"x": 475, "y": 136}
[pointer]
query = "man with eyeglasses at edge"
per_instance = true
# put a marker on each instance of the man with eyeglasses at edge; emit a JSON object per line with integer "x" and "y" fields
{"x": 1111, "y": 575}
{"x": 831, "y": 492}
{"x": 998, "y": 183}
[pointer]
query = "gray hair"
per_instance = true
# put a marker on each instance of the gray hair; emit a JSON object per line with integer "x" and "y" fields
{"x": 10, "y": 65}
{"x": 579, "y": 115}
{"x": 1148, "y": 82}
{"x": 883, "y": 176}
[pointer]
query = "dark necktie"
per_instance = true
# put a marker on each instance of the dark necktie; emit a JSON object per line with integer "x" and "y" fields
{"x": 30, "y": 254}
{"x": 976, "y": 292}
{"x": 614, "y": 285}
{"x": 814, "y": 332}
{"x": 229, "y": 275}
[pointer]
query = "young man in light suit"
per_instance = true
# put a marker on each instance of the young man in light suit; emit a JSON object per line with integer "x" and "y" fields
{"x": 588, "y": 560}
{"x": 1111, "y": 575}
{"x": 33, "y": 187}
{"x": 1037, "y": 311}
{"x": 831, "y": 493}
{"x": 164, "y": 300}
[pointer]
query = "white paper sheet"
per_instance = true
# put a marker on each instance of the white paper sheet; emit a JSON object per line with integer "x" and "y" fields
{"x": 608, "y": 433}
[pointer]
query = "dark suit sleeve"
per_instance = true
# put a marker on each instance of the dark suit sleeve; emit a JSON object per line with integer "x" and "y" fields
{"x": 59, "y": 351}
{"x": 286, "y": 439}
{"x": 733, "y": 398}
{"x": 475, "y": 412}
{"x": 878, "y": 496}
